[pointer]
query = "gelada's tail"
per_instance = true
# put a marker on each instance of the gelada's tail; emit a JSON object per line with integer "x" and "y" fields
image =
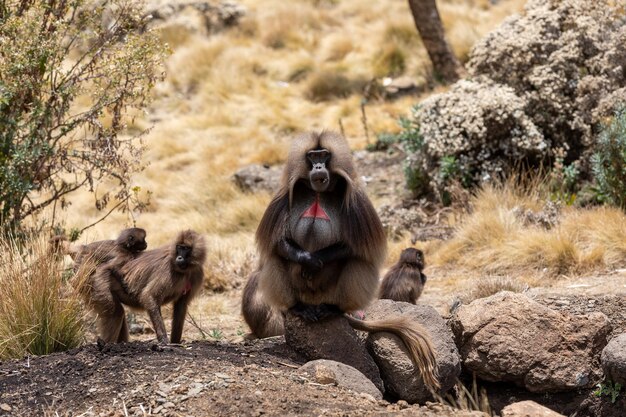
{"x": 414, "y": 337}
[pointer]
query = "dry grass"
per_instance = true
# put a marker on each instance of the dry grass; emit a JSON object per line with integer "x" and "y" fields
{"x": 495, "y": 239}
{"x": 39, "y": 313}
{"x": 488, "y": 286}
{"x": 239, "y": 96}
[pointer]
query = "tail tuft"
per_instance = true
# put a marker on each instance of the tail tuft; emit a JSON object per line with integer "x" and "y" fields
{"x": 415, "y": 338}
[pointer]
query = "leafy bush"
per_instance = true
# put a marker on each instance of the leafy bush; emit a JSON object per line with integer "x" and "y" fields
{"x": 609, "y": 161}
{"x": 39, "y": 312}
{"x": 70, "y": 72}
{"x": 539, "y": 86}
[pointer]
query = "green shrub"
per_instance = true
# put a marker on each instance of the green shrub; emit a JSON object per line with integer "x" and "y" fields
{"x": 68, "y": 77}
{"x": 609, "y": 161}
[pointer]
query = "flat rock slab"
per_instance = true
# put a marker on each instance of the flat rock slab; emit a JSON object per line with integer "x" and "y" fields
{"x": 332, "y": 339}
{"x": 528, "y": 409}
{"x": 330, "y": 372}
{"x": 613, "y": 305}
{"x": 614, "y": 359}
{"x": 402, "y": 378}
{"x": 255, "y": 178}
{"x": 509, "y": 337}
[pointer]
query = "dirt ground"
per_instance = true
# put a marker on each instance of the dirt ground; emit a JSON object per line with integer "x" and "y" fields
{"x": 197, "y": 379}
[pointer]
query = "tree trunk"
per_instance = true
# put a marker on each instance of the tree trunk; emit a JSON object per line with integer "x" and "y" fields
{"x": 428, "y": 23}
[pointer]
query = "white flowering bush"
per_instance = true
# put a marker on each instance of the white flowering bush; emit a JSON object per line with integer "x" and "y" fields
{"x": 538, "y": 88}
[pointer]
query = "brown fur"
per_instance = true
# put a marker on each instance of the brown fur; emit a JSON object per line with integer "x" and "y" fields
{"x": 130, "y": 241}
{"x": 263, "y": 320}
{"x": 361, "y": 230}
{"x": 88, "y": 257}
{"x": 147, "y": 282}
{"x": 405, "y": 281}
{"x": 350, "y": 283}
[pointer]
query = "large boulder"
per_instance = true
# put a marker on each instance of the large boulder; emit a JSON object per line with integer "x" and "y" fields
{"x": 331, "y": 372}
{"x": 401, "y": 378}
{"x": 509, "y": 337}
{"x": 614, "y": 359}
{"x": 331, "y": 339}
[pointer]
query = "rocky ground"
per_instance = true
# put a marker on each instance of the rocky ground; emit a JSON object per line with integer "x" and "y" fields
{"x": 224, "y": 374}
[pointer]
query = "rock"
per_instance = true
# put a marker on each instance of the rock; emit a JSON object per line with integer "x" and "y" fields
{"x": 193, "y": 17}
{"x": 331, "y": 372}
{"x": 528, "y": 409}
{"x": 397, "y": 220}
{"x": 509, "y": 337}
{"x": 5, "y": 407}
{"x": 254, "y": 178}
{"x": 612, "y": 305}
{"x": 400, "y": 376}
{"x": 547, "y": 217}
{"x": 614, "y": 359}
{"x": 331, "y": 339}
{"x": 396, "y": 87}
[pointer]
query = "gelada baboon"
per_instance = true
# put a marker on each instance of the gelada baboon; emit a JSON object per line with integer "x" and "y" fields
{"x": 130, "y": 241}
{"x": 169, "y": 274}
{"x": 263, "y": 320}
{"x": 405, "y": 280}
{"x": 88, "y": 257}
{"x": 321, "y": 245}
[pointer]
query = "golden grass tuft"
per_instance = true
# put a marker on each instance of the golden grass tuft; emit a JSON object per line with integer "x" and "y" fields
{"x": 391, "y": 61}
{"x": 336, "y": 47}
{"x": 328, "y": 84}
{"x": 289, "y": 27}
{"x": 189, "y": 67}
{"x": 490, "y": 285}
{"x": 39, "y": 313}
{"x": 229, "y": 262}
{"x": 402, "y": 33}
{"x": 495, "y": 239}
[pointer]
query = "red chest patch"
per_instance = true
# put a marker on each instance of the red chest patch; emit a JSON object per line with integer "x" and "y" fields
{"x": 187, "y": 287}
{"x": 316, "y": 211}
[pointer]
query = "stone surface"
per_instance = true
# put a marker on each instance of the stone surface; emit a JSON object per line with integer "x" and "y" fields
{"x": 395, "y": 87}
{"x": 199, "y": 17}
{"x": 401, "y": 378}
{"x": 253, "y": 178}
{"x": 528, "y": 409}
{"x": 509, "y": 337}
{"x": 331, "y": 339}
{"x": 331, "y": 372}
{"x": 569, "y": 300}
{"x": 614, "y": 359}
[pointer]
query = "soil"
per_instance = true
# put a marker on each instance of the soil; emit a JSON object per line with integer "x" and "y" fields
{"x": 252, "y": 378}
